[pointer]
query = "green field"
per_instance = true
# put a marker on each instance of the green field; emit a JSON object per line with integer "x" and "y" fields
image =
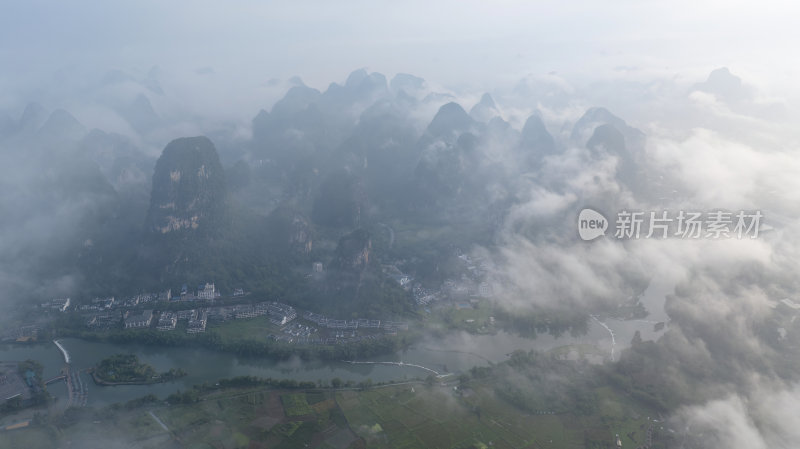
{"x": 474, "y": 318}
{"x": 296, "y": 404}
{"x": 624, "y": 416}
{"x": 257, "y": 328}
{"x": 438, "y": 417}
{"x": 397, "y": 416}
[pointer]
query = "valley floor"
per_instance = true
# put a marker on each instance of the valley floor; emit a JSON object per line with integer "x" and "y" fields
{"x": 409, "y": 415}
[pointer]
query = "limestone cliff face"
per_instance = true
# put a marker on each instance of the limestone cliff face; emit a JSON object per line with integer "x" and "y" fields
{"x": 352, "y": 253}
{"x": 188, "y": 188}
{"x": 300, "y": 238}
{"x": 289, "y": 232}
{"x": 340, "y": 201}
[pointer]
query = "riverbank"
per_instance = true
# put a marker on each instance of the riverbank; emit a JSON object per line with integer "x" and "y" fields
{"x": 481, "y": 406}
{"x": 245, "y": 347}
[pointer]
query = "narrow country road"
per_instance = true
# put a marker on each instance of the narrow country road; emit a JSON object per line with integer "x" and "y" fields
{"x": 161, "y": 423}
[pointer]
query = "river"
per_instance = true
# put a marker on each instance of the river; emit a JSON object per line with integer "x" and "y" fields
{"x": 457, "y": 351}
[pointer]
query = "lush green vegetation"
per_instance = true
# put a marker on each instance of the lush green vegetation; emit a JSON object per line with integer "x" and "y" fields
{"x": 475, "y": 316}
{"x": 127, "y": 369}
{"x": 516, "y": 404}
{"x": 553, "y": 322}
{"x": 296, "y": 404}
{"x": 244, "y": 346}
{"x": 33, "y": 366}
{"x": 233, "y": 417}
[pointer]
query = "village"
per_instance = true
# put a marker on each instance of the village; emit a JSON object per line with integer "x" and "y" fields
{"x": 193, "y": 312}
{"x": 474, "y": 282}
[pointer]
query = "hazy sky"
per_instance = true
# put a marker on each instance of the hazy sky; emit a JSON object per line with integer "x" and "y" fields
{"x": 456, "y": 43}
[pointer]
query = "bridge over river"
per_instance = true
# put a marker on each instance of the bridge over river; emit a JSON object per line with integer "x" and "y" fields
{"x": 55, "y": 379}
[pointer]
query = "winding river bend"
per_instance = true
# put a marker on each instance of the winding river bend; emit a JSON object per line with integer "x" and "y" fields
{"x": 453, "y": 353}
{"x": 206, "y": 366}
